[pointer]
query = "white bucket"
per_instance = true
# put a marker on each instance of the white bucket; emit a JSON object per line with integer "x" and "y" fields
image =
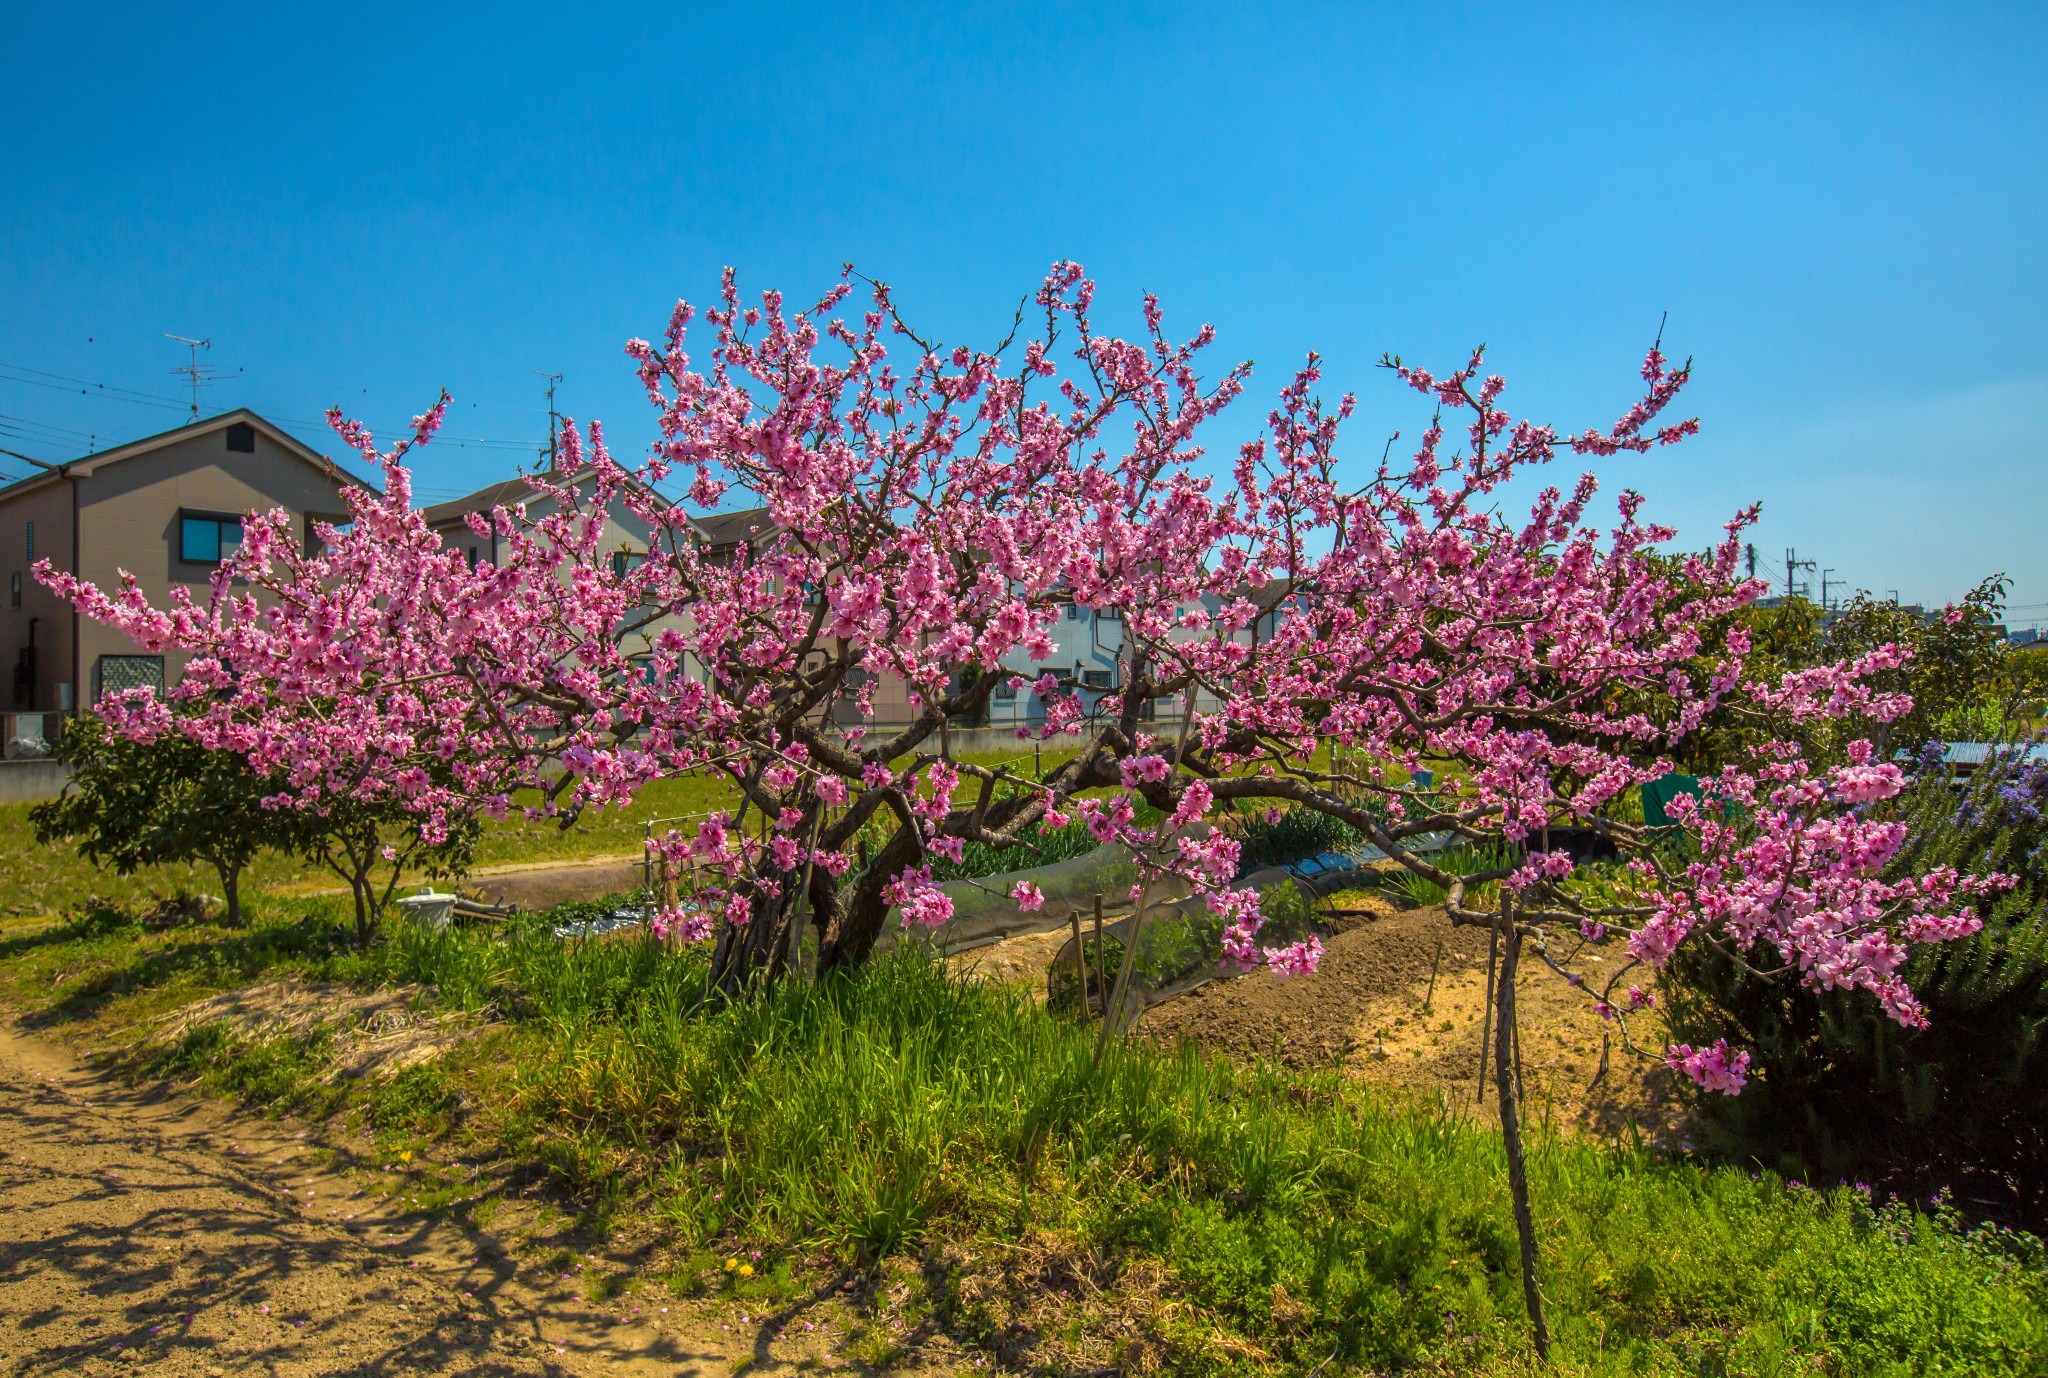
{"x": 428, "y": 909}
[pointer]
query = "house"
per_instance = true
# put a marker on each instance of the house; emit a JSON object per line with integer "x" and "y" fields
{"x": 625, "y": 539}
{"x": 166, "y": 509}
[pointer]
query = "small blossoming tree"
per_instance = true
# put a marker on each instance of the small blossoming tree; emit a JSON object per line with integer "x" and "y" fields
{"x": 1544, "y": 671}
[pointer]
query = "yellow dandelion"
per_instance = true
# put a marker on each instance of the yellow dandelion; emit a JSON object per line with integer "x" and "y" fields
{"x": 746, "y": 1270}
{"x": 731, "y": 1264}
{"x": 406, "y": 1156}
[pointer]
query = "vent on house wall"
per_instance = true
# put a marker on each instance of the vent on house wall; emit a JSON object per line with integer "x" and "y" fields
{"x": 242, "y": 438}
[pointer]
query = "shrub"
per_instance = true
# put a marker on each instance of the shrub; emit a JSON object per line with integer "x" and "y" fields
{"x": 1849, "y": 1093}
{"x": 132, "y": 804}
{"x": 1265, "y": 840}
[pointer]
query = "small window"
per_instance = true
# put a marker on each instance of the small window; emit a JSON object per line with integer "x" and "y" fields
{"x": 474, "y": 556}
{"x": 1004, "y": 693}
{"x": 207, "y": 540}
{"x": 1096, "y": 679}
{"x": 116, "y": 673}
{"x": 242, "y": 438}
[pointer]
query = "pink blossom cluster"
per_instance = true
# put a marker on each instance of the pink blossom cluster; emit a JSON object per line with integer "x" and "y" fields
{"x": 1784, "y": 863}
{"x": 1717, "y": 1068}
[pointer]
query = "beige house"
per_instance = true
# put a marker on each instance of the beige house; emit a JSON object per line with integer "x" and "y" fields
{"x": 165, "y": 509}
{"x": 624, "y": 540}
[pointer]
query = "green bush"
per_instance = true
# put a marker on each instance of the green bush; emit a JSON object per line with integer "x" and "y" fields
{"x": 1296, "y": 833}
{"x": 1848, "y": 1093}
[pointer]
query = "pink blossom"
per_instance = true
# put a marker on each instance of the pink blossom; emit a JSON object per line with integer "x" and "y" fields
{"x": 1296, "y": 959}
{"x": 1718, "y": 1068}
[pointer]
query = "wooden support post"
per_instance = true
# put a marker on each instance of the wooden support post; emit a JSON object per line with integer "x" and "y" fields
{"x": 1486, "y": 1014}
{"x": 1101, "y": 986}
{"x": 1509, "y": 1089}
{"x": 1080, "y": 957}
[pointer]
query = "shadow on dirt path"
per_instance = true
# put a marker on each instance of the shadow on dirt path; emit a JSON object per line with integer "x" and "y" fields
{"x": 148, "y": 1232}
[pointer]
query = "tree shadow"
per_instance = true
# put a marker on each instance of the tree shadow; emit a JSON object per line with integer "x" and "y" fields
{"x": 227, "y": 957}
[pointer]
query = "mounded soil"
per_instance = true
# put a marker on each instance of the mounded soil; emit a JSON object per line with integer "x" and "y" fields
{"x": 1372, "y": 1012}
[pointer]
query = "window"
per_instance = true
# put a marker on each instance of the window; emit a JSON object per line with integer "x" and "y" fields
{"x": 242, "y": 438}
{"x": 1097, "y": 679}
{"x": 474, "y": 556}
{"x": 1004, "y": 692}
{"x": 625, "y": 561}
{"x": 1075, "y": 612}
{"x": 117, "y": 673}
{"x": 206, "y": 539}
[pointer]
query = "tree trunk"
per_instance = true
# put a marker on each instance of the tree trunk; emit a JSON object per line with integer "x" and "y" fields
{"x": 1511, "y": 1126}
{"x": 858, "y": 922}
{"x": 366, "y": 898}
{"x": 231, "y": 892}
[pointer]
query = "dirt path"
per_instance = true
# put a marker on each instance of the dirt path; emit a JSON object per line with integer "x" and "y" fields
{"x": 529, "y": 884}
{"x": 145, "y": 1232}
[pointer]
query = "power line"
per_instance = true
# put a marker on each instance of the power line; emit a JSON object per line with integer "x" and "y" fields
{"x": 112, "y": 390}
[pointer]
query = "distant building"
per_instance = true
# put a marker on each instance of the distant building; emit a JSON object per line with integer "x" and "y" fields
{"x": 625, "y": 540}
{"x": 166, "y": 509}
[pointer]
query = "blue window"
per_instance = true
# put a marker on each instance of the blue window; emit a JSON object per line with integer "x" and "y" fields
{"x": 206, "y": 539}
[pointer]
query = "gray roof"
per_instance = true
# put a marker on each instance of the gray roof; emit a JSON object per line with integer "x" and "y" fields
{"x": 504, "y": 493}
{"x": 289, "y": 443}
{"x": 730, "y": 528}
{"x": 1978, "y": 753}
{"x": 507, "y": 492}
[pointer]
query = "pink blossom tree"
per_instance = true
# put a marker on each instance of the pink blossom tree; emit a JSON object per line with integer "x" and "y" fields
{"x": 1316, "y": 634}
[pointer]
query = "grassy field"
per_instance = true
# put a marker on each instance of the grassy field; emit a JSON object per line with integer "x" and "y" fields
{"x": 1170, "y": 1210}
{"x": 52, "y": 879}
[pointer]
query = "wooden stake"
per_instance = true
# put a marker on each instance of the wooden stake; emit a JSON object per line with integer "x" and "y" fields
{"x": 1080, "y": 957}
{"x": 1486, "y": 1016}
{"x": 1101, "y": 986}
{"x": 1511, "y": 1130}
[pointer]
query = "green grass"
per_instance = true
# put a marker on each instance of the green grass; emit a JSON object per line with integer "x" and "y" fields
{"x": 42, "y": 880}
{"x": 46, "y": 879}
{"x": 1241, "y": 1218}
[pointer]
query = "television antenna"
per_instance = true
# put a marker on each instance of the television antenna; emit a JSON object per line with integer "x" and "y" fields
{"x": 195, "y": 374}
{"x": 554, "y": 379}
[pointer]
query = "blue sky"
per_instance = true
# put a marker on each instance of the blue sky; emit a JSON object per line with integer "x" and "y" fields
{"x": 1841, "y": 209}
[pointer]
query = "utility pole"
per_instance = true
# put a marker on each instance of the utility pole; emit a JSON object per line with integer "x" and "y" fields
{"x": 1749, "y": 553}
{"x": 553, "y": 379}
{"x": 1824, "y": 603}
{"x": 1793, "y": 564}
{"x": 194, "y": 373}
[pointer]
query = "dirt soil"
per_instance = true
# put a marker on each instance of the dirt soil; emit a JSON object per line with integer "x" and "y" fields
{"x": 380, "y": 1033}
{"x": 143, "y": 1231}
{"x": 1363, "y": 1013}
